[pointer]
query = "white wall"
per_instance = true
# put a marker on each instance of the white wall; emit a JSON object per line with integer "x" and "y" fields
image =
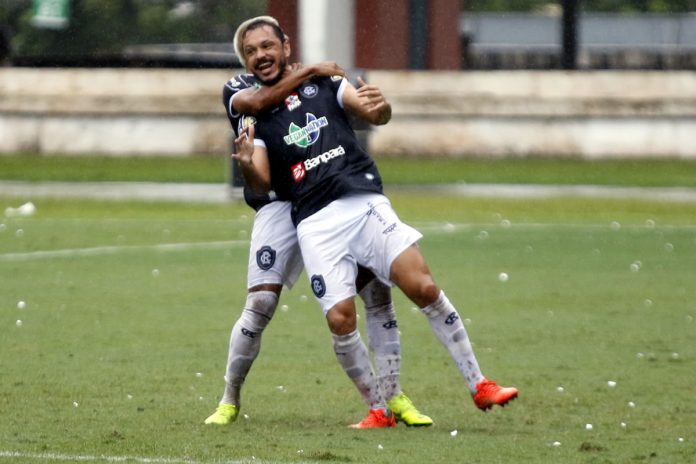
{"x": 327, "y": 31}
{"x": 180, "y": 112}
{"x": 520, "y": 113}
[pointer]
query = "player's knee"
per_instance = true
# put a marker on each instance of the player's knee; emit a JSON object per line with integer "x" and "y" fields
{"x": 341, "y": 318}
{"x": 424, "y": 292}
{"x": 262, "y": 302}
{"x": 258, "y": 311}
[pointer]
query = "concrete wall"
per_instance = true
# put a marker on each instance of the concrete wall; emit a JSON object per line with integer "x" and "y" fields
{"x": 586, "y": 114}
{"x": 113, "y": 111}
{"x": 179, "y": 112}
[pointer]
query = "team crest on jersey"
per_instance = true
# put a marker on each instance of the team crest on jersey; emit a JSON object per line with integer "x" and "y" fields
{"x": 307, "y": 135}
{"x": 234, "y": 82}
{"x": 310, "y": 90}
{"x": 318, "y": 286}
{"x": 265, "y": 257}
{"x": 292, "y": 102}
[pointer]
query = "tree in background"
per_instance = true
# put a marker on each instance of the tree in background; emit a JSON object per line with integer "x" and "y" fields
{"x": 107, "y": 26}
{"x": 607, "y": 6}
{"x": 639, "y": 6}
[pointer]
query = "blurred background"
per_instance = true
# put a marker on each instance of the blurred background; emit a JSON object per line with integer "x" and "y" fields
{"x": 487, "y": 34}
{"x": 476, "y": 78}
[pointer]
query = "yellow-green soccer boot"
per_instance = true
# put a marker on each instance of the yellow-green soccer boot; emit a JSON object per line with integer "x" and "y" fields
{"x": 403, "y": 409}
{"x": 223, "y": 415}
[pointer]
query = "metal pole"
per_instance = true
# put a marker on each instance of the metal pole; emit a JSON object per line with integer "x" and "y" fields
{"x": 570, "y": 34}
{"x": 418, "y": 34}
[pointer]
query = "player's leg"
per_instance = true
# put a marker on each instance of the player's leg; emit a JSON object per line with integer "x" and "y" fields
{"x": 382, "y": 331}
{"x": 244, "y": 347}
{"x": 389, "y": 245}
{"x": 245, "y": 340}
{"x": 332, "y": 275}
{"x": 274, "y": 261}
{"x": 354, "y": 358}
{"x": 385, "y": 344}
{"x": 410, "y": 273}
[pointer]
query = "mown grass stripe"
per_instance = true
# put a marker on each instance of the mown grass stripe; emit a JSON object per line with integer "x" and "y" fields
{"x": 105, "y": 458}
{"x": 109, "y": 250}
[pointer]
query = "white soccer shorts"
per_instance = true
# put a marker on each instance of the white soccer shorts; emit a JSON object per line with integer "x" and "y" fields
{"x": 360, "y": 229}
{"x": 274, "y": 253}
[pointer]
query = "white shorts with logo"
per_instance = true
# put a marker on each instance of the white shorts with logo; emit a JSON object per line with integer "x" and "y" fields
{"x": 360, "y": 229}
{"x": 274, "y": 253}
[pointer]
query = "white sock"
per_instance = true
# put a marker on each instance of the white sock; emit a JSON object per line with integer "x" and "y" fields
{"x": 245, "y": 342}
{"x": 353, "y": 357}
{"x": 383, "y": 336}
{"x": 449, "y": 329}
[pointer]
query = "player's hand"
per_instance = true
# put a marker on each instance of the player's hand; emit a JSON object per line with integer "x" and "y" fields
{"x": 244, "y": 144}
{"x": 371, "y": 97}
{"x": 328, "y": 69}
{"x": 293, "y": 68}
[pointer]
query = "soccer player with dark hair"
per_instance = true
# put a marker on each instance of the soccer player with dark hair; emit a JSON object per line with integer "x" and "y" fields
{"x": 275, "y": 260}
{"x": 342, "y": 217}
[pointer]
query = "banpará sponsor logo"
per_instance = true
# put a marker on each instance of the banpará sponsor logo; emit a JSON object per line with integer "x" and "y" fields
{"x": 300, "y": 169}
{"x": 325, "y": 157}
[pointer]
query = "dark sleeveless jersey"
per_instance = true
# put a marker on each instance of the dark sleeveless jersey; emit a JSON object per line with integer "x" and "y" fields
{"x": 312, "y": 146}
{"x": 239, "y": 122}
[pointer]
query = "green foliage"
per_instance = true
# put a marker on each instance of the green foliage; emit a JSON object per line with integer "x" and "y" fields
{"x": 639, "y": 6}
{"x": 107, "y": 26}
{"x": 504, "y": 5}
{"x": 95, "y": 27}
{"x": 607, "y": 6}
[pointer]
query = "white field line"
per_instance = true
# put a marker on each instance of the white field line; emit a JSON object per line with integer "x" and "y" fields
{"x": 110, "y": 250}
{"x": 448, "y": 227}
{"x": 104, "y": 458}
{"x": 426, "y": 227}
{"x": 83, "y": 458}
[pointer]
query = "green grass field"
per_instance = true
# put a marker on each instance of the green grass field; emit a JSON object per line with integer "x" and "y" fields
{"x": 649, "y": 173}
{"x": 117, "y": 350}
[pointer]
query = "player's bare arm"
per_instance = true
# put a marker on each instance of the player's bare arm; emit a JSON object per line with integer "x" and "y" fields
{"x": 367, "y": 102}
{"x": 255, "y": 100}
{"x": 253, "y": 160}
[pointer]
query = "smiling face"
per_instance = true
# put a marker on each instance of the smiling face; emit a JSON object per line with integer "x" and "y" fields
{"x": 265, "y": 53}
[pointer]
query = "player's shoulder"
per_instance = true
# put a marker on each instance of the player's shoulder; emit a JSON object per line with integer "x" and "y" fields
{"x": 319, "y": 84}
{"x": 241, "y": 82}
{"x": 328, "y": 80}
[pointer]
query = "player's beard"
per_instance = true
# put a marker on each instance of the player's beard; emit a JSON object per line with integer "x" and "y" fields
{"x": 282, "y": 65}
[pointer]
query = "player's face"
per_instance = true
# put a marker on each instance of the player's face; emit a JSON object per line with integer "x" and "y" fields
{"x": 266, "y": 55}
